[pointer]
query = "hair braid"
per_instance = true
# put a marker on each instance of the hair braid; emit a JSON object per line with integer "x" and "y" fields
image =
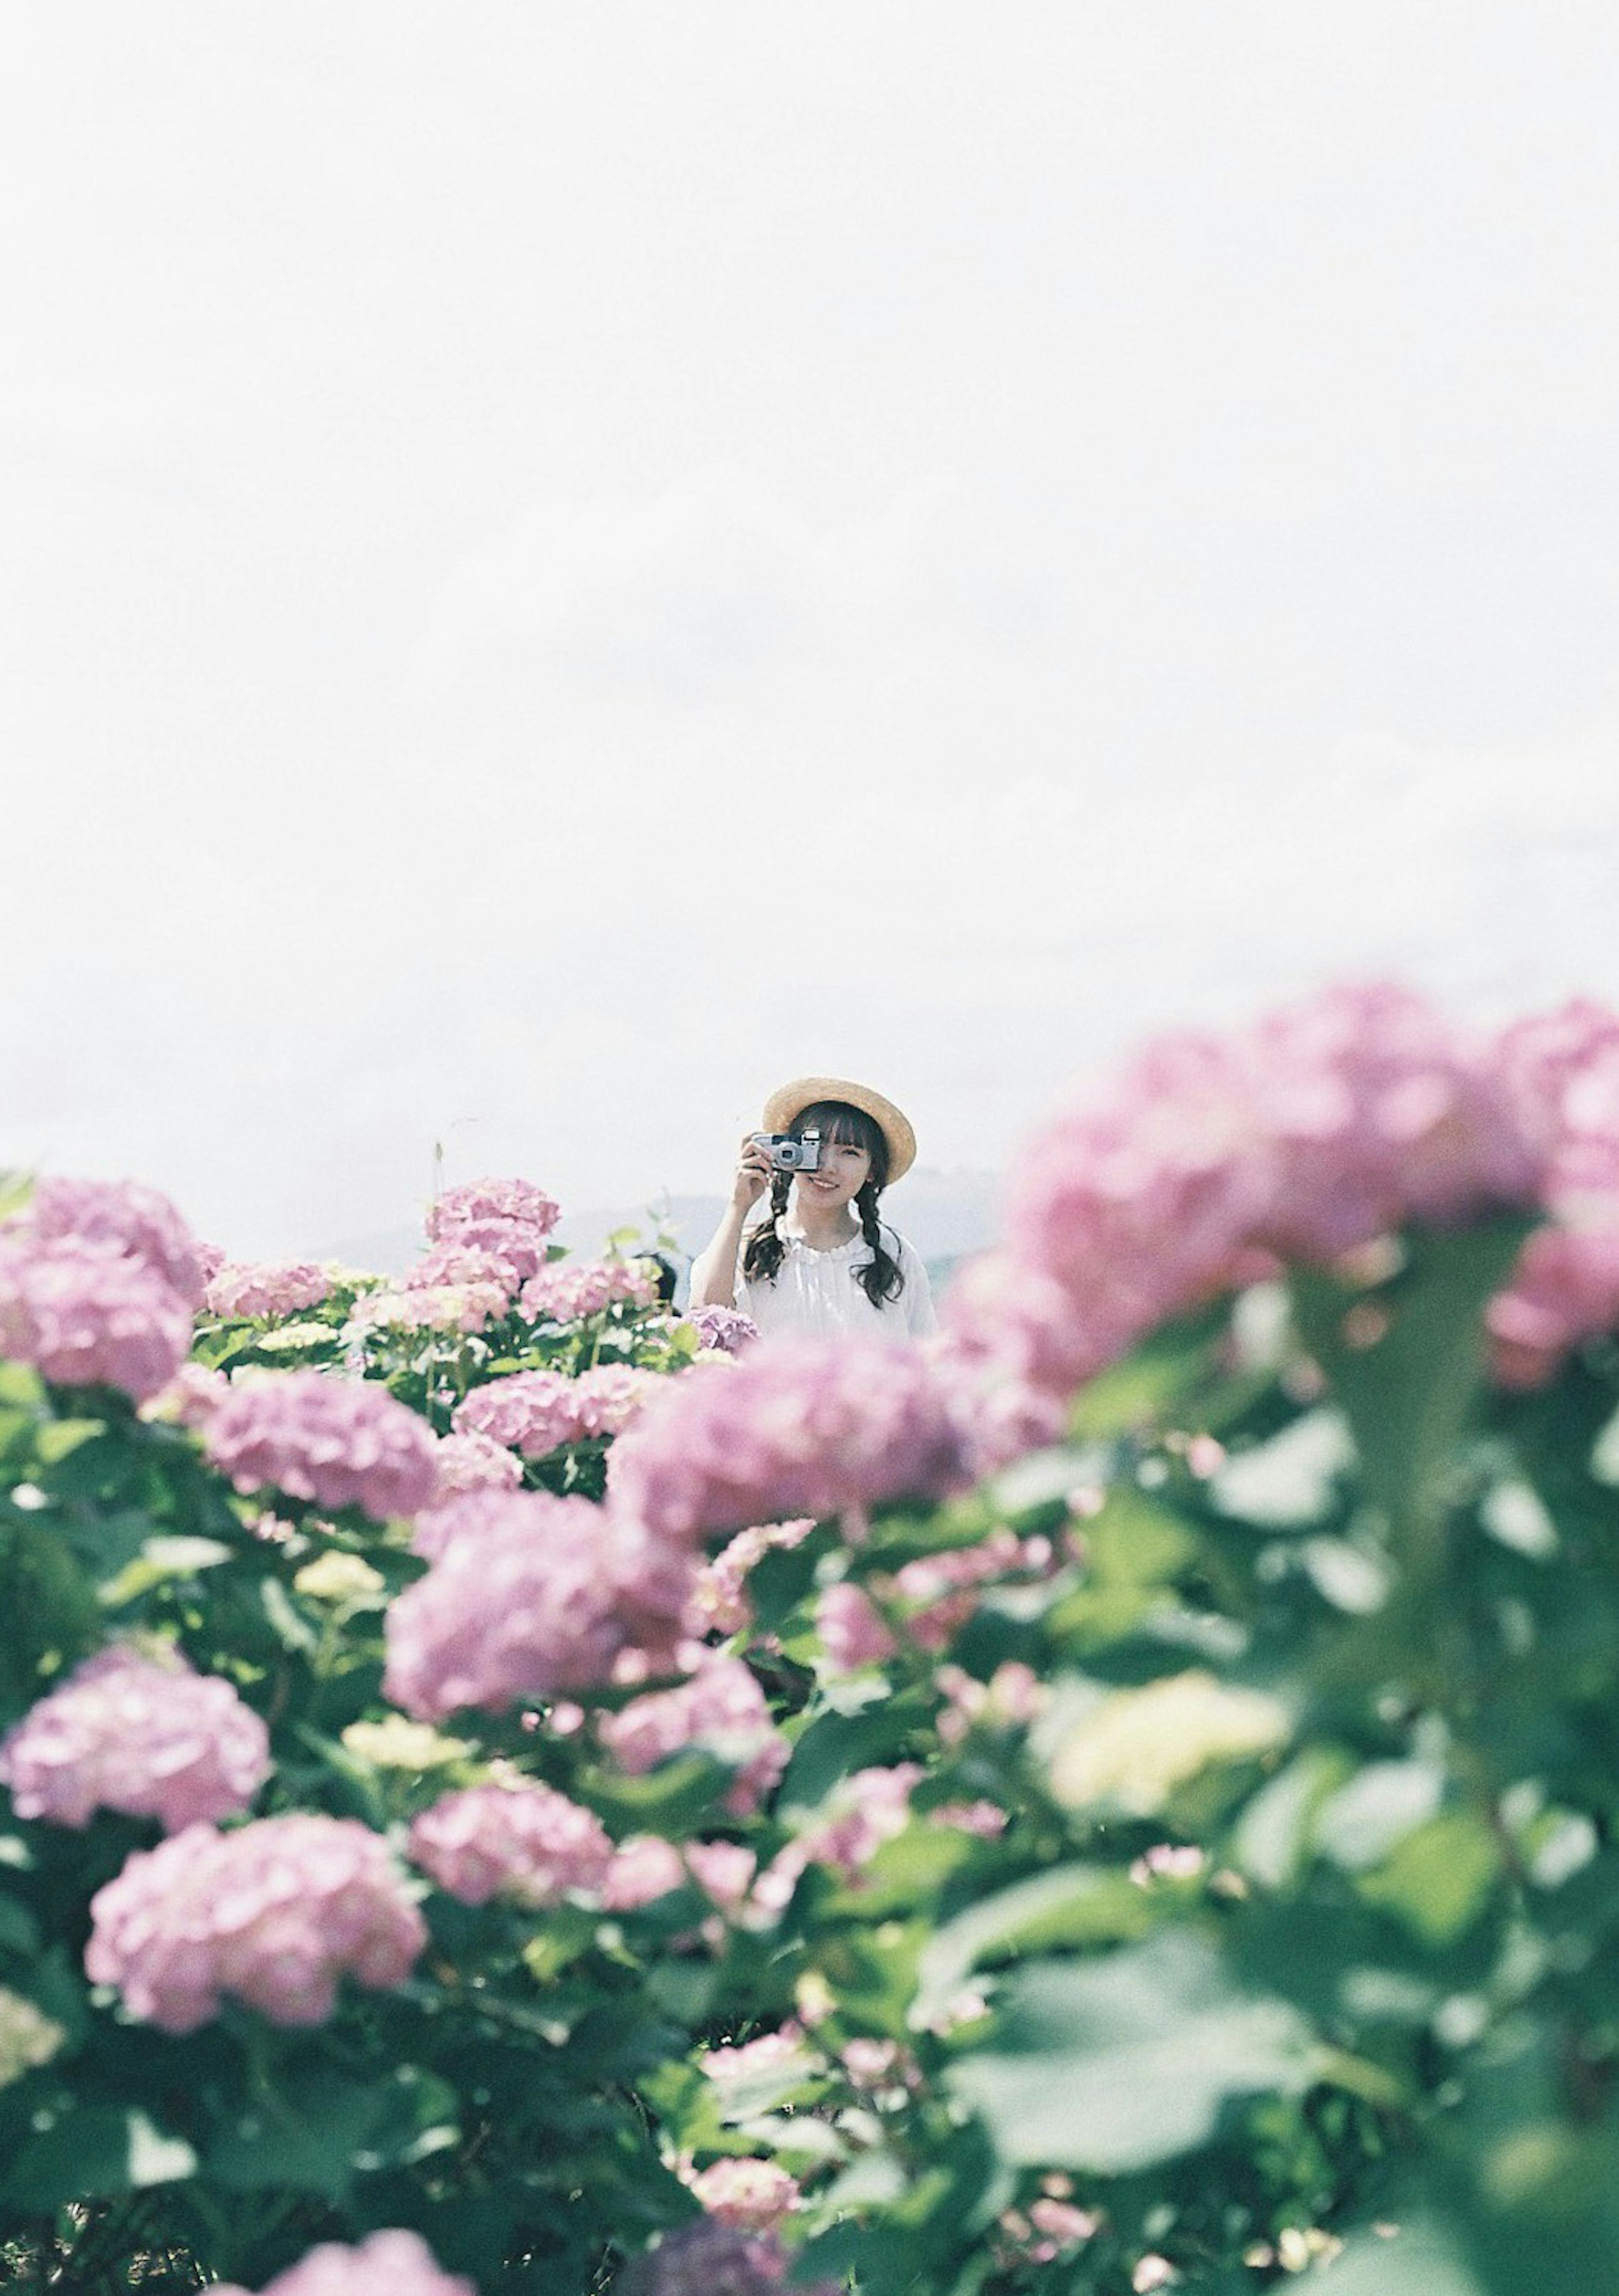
{"x": 767, "y": 1247}
{"x": 882, "y": 1278}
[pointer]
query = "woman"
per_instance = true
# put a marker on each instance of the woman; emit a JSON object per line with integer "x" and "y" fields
{"x": 820, "y": 1261}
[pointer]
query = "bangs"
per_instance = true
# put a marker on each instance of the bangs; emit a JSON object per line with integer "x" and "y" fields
{"x": 846, "y": 1126}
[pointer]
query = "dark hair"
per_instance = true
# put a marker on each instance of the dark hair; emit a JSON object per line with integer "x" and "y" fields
{"x": 661, "y": 1269}
{"x": 882, "y": 1279}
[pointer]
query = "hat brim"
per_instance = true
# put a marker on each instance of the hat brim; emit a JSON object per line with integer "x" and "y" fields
{"x": 784, "y": 1107}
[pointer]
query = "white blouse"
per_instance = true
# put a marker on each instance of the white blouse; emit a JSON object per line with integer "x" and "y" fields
{"x": 814, "y": 1294}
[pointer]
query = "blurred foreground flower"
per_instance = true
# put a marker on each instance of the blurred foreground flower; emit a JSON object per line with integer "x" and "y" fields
{"x": 813, "y": 1428}
{"x": 387, "y": 2264}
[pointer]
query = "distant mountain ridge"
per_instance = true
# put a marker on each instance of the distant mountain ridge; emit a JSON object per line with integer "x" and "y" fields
{"x": 944, "y": 1215}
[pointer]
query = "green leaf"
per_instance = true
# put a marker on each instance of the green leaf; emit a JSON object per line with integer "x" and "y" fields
{"x": 1071, "y": 1905}
{"x": 669, "y": 1799}
{"x": 1136, "y": 1542}
{"x": 92, "y": 2153}
{"x": 1439, "y": 1877}
{"x": 1420, "y": 2260}
{"x": 159, "y": 1560}
{"x": 1360, "y": 1824}
{"x": 308, "y": 2135}
{"x": 1142, "y": 1389}
{"x": 1112, "y": 2064}
{"x": 1405, "y": 1358}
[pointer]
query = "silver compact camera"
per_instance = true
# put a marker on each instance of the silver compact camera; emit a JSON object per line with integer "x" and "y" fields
{"x": 790, "y": 1155}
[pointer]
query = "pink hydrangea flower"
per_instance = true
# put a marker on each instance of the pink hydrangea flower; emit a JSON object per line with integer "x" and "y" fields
{"x": 262, "y": 1287}
{"x": 984, "y": 1820}
{"x": 766, "y": 2052}
{"x": 751, "y": 2195}
{"x": 190, "y": 1398}
{"x": 530, "y": 1595}
{"x": 387, "y": 2264}
{"x": 724, "y": 1328}
{"x": 851, "y": 1629}
{"x": 87, "y": 1315}
{"x": 711, "y": 2259}
{"x": 1564, "y": 1287}
{"x": 435, "y": 1308}
{"x": 338, "y": 1442}
{"x": 527, "y": 1843}
{"x": 807, "y": 1428}
{"x": 566, "y": 1294}
{"x": 1550, "y": 1062}
{"x": 723, "y": 1870}
{"x": 146, "y": 1736}
{"x": 475, "y": 1202}
{"x": 722, "y": 1709}
{"x": 720, "y": 1603}
{"x": 128, "y": 1220}
{"x": 1316, "y": 1130}
{"x": 944, "y": 1587}
{"x": 455, "y": 1263}
{"x": 537, "y": 1412}
{"x": 864, "y": 1810}
{"x": 274, "y": 1913}
{"x": 644, "y": 1869}
{"x": 474, "y": 1463}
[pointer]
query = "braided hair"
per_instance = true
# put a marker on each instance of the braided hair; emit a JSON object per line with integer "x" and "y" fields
{"x": 882, "y": 1279}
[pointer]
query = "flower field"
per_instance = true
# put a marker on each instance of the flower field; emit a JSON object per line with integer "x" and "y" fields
{"x": 505, "y": 1788}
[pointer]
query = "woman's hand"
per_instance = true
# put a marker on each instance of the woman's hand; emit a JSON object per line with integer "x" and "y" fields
{"x": 754, "y": 1174}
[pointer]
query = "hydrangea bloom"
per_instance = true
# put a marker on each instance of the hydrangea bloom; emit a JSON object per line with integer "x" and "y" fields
{"x": 866, "y": 1808}
{"x": 518, "y": 1202}
{"x": 432, "y": 1307}
{"x": 722, "y": 1709}
{"x": 720, "y": 1603}
{"x": 1561, "y": 1068}
{"x": 190, "y": 1398}
{"x": 752, "y": 2195}
{"x": 1314, "y": 1132}
{"x": 644, "y": 1869}
{"x": 474, "y": 1463}
{"x": 126, "y": 1219}
{"x": 723, "y": 1870}
{"x": 566, "y": 1294}
{"x": 507, "y": 1219}
{"x": 1564, "y": 1287}
{"x": 87, "y": 1315}
{"x": 273, "y": 1913}
{"x": 459, "y": 1263}
{"x": 338, "y": 1442}
{"x": 529, "y": 1595}
{"x": 724, "y": 1328}
{"x": 537, "y": 1412}
{"x": 851, "y": 1629}
{"x": 387, "y": 2264}
{"x": 145, "y": 1736}
{"x": 711, "y": 2259}
{"x": 261, "y": 1288}
{"x": 806, "y": 1428}
{"x": 525, "y": 1841}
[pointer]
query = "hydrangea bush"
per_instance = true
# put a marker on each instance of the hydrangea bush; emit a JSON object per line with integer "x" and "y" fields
{"x": 500, "y": 1788}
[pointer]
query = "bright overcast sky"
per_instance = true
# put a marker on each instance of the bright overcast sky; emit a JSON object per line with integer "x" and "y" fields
{"x": 563, "y": 563}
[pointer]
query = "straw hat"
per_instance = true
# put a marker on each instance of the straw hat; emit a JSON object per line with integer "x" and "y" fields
{"x": 784, "y": 1107}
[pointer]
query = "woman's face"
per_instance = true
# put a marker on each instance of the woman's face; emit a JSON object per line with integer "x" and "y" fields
{"x": 837, "y": 1180}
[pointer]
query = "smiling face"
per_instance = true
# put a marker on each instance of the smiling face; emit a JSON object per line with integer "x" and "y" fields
{"x": 852, "y": 1151}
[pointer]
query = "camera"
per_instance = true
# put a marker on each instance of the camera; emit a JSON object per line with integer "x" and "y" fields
{"x": 790, "y": 1155}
